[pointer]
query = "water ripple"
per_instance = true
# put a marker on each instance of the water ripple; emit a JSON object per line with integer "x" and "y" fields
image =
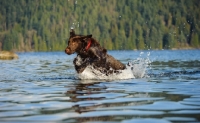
{"x": 44, "y": 87}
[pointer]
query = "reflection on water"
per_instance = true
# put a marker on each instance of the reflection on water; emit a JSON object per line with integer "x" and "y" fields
{"x": 43, "y": 87}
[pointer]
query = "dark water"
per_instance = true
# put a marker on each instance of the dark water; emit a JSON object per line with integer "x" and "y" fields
{"x": 43, "y": 87}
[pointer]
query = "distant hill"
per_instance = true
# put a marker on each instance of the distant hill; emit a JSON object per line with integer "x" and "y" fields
{"x": 43, "y": 25}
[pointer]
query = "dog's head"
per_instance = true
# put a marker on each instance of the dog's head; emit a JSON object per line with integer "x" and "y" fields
{"x": 75, "y": 42}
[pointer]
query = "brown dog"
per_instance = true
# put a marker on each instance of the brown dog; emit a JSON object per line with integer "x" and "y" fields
{"x": 91, "y": 53}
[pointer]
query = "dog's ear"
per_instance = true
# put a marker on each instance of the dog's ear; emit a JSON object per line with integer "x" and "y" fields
{"x": 89, "y": 36}
{"x": 86, "y": 37}
{"x": 72, "y": 33}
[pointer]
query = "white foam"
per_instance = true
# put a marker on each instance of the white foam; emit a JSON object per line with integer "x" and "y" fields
{"x": 134, "y": 69}
{"x": 91, "y": 73}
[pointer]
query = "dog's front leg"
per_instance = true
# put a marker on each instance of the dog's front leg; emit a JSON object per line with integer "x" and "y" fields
{"x": 80, "y": 64}
{"x": 79, "y": 69}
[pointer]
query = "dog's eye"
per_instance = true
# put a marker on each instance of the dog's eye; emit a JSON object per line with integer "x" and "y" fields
{"x": 72, "y": 42}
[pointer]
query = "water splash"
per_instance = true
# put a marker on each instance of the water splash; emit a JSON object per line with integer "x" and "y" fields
{"x": 91, "y": 73}
{"x": 74, "y": 25}
{"x": 139, "y": 67}
{"x": 134, "y": 69}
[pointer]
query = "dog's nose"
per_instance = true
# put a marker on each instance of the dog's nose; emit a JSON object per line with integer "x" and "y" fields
{"x": 67, "y": 51}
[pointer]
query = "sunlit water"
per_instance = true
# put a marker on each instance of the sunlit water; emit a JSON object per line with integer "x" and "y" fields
{"x": 44, "y": 87}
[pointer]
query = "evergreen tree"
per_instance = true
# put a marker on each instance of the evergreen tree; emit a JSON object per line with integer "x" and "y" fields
{"x": 41, "y": 25}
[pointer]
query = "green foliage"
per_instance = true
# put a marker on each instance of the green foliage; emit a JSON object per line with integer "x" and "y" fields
{"x": 43, "y": 25}
{"x": 195, "y": 41}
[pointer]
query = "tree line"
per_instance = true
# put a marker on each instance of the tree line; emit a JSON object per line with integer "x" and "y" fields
{"x": 44, "y": 25}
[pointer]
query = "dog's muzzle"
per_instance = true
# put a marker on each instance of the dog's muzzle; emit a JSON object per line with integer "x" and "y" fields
{"x": 68, "y": 51}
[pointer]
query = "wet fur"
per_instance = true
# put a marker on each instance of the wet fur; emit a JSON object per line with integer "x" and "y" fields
{"x": 95, "y": 55}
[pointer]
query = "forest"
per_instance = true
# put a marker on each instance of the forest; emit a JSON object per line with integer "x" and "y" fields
{"x": 44, "y": 25}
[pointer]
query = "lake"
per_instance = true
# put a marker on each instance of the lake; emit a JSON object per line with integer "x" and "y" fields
{"x": 44, "y": 87}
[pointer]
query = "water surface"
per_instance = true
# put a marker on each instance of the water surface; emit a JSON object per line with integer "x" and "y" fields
{"x": 43, "y": 87}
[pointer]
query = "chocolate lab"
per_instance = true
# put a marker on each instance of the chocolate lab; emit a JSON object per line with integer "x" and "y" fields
{"x": 89, "y": 52}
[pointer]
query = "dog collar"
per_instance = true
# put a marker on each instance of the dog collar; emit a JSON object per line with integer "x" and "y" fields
{"x": 88, "y": 45}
